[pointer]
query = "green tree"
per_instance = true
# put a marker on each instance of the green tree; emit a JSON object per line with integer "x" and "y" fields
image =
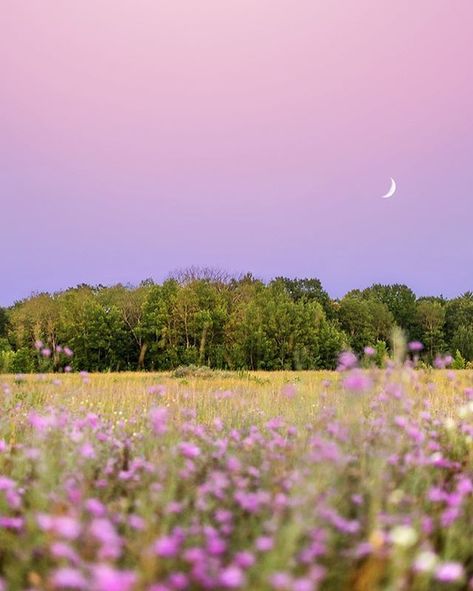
{"x": 462, "y": 341}
{"x": 430, "y": 316}
{"x": 3, "y": 323}
{"x": 307, "y": 290}
{"x": 356, "y": 321}
{"x": 400, "y": 301}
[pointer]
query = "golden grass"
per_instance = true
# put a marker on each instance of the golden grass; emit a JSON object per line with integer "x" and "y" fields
{"x": 235, "y": 397}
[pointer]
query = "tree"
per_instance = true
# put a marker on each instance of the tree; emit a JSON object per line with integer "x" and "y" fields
{"x": 462, "y": 341}
{"x": 93, "y": 327}
{"x": 355, "y": 319}
{"x": 458, "y": 315}
{"x": 3, "y": 323}
{"x": 430, "y": 320}
{"x": 307, "y": 290}
{"x": 458, "y": 361}
{"x": 130, "y": 304}
{"x": 400, "y": 300}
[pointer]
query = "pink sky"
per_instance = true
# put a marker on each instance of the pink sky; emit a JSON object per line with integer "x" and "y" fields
{"x": 139, "y": 136}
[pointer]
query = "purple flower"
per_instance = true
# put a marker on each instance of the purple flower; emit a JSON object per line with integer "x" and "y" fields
{"x": 289, "y": 390}
{"x": 15, "y": 523}
{"x": 415, "y": 346}
{"x": 6, "y": 483}
{"x": 106, "y": 578}
{"x": 189, "y": 450}
{"x": 264, "y": 543}
{"x": 69, "y": 578}
{"x": 347, "y": 360}
{"x": 95, "y": 507}
{"x": 369, "y": 351}
{"x": 167, "y": 546}
{"x": 280, "y": 581}
{"x": 244, "y": 559}
{"x": 158, "y": 389}
{"x": 178, "y": 581}
{"x": 63, "y": 526}
{"x": 303, "y": 584}
{"x": 87, "y": 451}
{"x": 158, "y": 417}
{"x": 232, "y": 577}
{"x": 104, "y": 532}
{"x": 357, "y": 381}
{"x": 63, "y": 550}
{"x": 449, "y": 572}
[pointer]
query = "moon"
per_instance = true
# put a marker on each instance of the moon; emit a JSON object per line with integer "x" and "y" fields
{"x": 391, "y": 191}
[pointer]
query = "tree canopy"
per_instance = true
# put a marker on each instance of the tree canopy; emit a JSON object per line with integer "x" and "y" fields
{"x": 205, "y": 317}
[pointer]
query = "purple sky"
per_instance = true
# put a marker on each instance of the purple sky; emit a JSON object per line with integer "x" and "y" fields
{"x": 140, "y": 136}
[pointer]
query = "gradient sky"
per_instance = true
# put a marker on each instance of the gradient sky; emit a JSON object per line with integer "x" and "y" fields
{"x": 141, "y": 136}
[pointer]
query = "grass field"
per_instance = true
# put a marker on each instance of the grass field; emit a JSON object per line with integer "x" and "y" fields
{"x": 360, "y": 479}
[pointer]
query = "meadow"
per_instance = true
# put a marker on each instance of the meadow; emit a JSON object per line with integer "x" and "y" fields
{"x": 359, "y": 479}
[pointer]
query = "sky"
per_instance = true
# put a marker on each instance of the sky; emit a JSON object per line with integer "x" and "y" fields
{"x": 142, "y": 136}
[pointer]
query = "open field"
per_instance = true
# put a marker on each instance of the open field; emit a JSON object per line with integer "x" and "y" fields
{"x": 291, "y": 481}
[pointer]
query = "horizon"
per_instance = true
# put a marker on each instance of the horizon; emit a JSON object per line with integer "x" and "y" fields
{"x": 142, "y": 137}
{"x": 237, "y": 276}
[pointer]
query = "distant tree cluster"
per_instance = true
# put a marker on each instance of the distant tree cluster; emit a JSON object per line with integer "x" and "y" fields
{"x": 203, "y": 317}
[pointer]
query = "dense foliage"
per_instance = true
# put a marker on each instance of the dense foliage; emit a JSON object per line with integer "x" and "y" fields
{"x": 207, "y": 318}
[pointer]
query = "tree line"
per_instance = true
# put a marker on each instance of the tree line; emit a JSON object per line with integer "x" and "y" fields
{"x": 201, "y": 317}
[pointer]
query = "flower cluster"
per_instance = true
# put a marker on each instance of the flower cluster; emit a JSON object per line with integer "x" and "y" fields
{"x": 373, "y": 488}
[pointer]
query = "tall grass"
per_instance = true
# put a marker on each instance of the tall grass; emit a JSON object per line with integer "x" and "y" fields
{"x": 358, "y": 479}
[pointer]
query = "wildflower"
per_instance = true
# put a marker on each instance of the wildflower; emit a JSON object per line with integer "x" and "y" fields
{"x": 216, "y": 546}
{"x": 104, "y": 532}
{"x": 425, "y": 562}
{"x": 14, "y": 523}
{"x": 264, "y": 543}
{"x": 95, "y": 507}
{"x": 189, "y": 450}
{"x": 106, "y": 578}
{"x": 167, "y": 546}
{"x": 403, "y": 536}
{"x": 347, "y": 360}
{"x": 245, "y": 559}
{"x": 369, "y": 351}
{"x": 357, "y": 381}
{"x": 6, "y": 483}
{"x": 158, "y": 417}
{"x": 158, "y": 389}
{"x": 69, "y": 578}
{"x": 63, "y": 526}
{"x": 280, "y": 581}
{"x": 303, "y": 584}
{"x": 415, "y": 346}
{"x": 449, "y": 572}
{"x": 178, "y": 581}
{"x": 87, "y": 451}
{"x": 289, "y": 390}
{"x": 232, "y": 577}
{"x": 63, "y": 550}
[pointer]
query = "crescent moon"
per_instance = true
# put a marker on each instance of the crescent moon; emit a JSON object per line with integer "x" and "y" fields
{"x": 391, "y": 191}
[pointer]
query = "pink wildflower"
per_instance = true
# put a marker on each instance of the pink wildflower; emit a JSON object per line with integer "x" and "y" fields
{"x": 69, "y": 578}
